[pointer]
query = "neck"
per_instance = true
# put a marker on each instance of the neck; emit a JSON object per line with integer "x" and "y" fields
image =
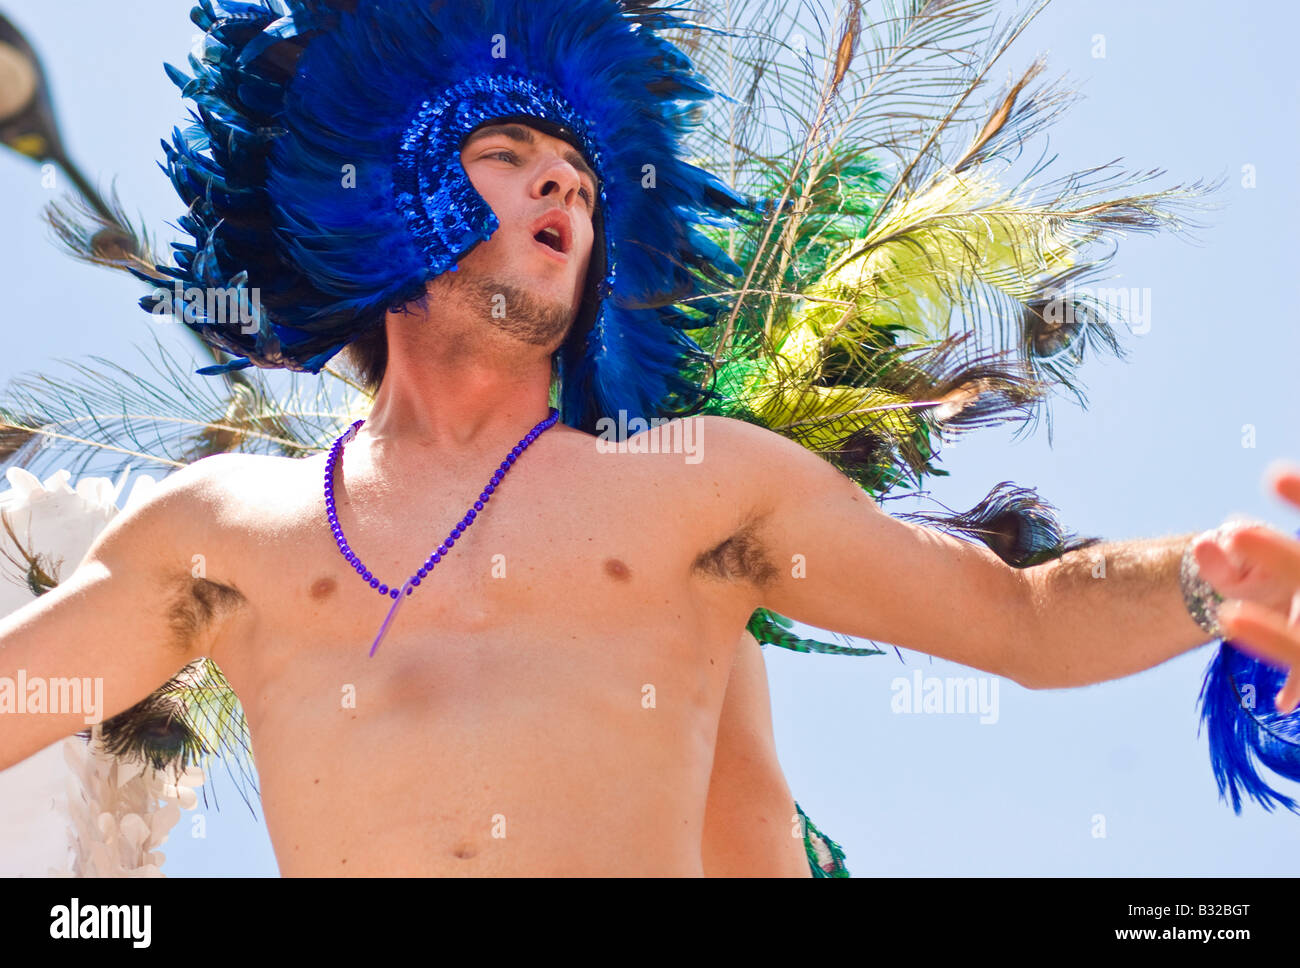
{"x": 457, "y": 402}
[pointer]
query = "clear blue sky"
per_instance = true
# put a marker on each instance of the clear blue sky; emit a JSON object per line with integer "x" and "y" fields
{"x": 1190, "y": 87}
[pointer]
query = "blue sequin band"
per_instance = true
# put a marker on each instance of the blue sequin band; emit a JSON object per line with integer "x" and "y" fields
{"x": 444, "y": 213}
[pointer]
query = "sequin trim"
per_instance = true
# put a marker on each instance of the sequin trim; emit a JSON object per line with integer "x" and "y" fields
{"x": 444, "y": 213}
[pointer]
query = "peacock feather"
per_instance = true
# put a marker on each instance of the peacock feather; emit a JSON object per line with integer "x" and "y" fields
{"x": 897, "y": 292}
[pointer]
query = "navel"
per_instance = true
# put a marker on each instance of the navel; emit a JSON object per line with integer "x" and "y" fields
{"x": 617, "y": 570}
{"x": 464, "y": 852}
{"x": 323, "y": 588}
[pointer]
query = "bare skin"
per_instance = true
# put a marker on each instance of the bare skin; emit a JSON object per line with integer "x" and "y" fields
{"x": 478, "y": 715}
{"x": 557, "y": 697}
{"x": 750, "y": 825}
{"x": 579, "y": 604}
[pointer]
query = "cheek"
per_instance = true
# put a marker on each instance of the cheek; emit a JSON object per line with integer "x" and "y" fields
{"x": 501, "y": 236}
{"x": 492, "y": 195}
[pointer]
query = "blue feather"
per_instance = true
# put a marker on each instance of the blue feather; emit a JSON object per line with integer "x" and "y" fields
{"x": 1244, "y": 728}
{"x": 281, "y": 113}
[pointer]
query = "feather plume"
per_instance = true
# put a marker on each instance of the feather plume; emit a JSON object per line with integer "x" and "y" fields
{"x": 772, "y": 629}
{"x": 194, "y": 719}
{"x": 105, "y": 417}
{"x": 1235, "y": 694}
{"x": 1017, "y": 525}
{"x": 92, "y": 237}
{"x": 897, "y": 292}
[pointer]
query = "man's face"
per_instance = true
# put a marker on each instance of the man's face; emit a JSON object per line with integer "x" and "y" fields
{"x": 531, "y": 280}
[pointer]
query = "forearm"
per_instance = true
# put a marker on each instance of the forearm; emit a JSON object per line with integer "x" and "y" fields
{"x": 1104, "y": 612}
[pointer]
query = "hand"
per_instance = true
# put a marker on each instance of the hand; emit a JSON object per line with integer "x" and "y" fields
{"x": 1258, "y": 571}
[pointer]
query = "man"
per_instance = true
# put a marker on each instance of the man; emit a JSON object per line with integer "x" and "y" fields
{"x": 507, "y": 729}
{"x": 567, "y": 689}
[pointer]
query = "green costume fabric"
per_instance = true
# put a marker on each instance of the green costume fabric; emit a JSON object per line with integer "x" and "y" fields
{"x": 825, "y": 856}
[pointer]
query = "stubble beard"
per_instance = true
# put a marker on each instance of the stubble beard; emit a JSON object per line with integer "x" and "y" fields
{"x": 516, "y": 312}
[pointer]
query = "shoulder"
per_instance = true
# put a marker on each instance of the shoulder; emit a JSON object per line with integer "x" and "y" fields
{"x": 728, "y": 437}
{"x": 715, "y": 468}
{"x": 167, "y": 553}
{"x": 206, "y": 483}
{"x": 722, "y": 480}
{"x": 732, "y": 439}
{"x": 216, "y": 466}
{"x": 681, "y": 450}
{"x": 202, "y": 503}
{"x": 195, "y": 527}
{"x": 774, "y": 464}
{"x": 756, "y": 466}
{"x": 218, "y": 475}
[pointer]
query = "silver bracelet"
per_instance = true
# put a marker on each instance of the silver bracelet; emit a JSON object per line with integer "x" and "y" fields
{"x": 1199, "y": 596}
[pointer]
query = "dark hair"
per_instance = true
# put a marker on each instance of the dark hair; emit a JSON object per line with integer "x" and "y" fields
{"x": 367, "y": 356}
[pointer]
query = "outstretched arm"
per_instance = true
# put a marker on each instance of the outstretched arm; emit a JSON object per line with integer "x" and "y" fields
{"x": 125, "y": 621}
{"x": 836, "y": 561}
{"x": 1105, "y": 612}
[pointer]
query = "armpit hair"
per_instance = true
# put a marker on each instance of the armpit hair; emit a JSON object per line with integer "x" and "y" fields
{"x": 741, "y": 557}
{"x": 195, "y": 609}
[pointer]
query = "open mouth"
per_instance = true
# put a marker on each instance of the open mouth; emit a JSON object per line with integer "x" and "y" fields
{"x": 551, "y": 238}
{"x": 554, "y": 232}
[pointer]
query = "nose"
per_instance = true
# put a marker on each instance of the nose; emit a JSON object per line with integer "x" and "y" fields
{"x": 558, "y": 176}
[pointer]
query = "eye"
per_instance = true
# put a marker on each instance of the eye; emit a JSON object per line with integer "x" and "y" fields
{"x": 511, "y": 157}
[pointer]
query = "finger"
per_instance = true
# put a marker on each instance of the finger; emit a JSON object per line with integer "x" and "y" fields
{"x": 1285, "y": 482}
{"x": 1215, "y": 565}
{"x": 1267, "y": 549}
{"x": 1261, "y": 632}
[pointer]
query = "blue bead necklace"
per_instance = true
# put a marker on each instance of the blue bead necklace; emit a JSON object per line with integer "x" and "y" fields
{"x": 408, "y": 588}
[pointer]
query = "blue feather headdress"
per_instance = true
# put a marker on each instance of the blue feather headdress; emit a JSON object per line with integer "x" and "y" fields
{"x": 324, "y": 184}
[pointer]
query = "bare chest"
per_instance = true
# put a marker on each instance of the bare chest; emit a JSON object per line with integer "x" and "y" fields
{"x": 542, "y": 546}
{"x": 567, "y": 577}
{"x": 565, "y": 643}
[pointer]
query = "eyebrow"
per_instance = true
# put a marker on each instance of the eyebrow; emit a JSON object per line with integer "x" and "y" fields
{"x": 518, "y": 133}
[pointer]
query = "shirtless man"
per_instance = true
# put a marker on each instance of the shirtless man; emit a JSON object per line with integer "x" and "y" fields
{"x": 503, "y": 726}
